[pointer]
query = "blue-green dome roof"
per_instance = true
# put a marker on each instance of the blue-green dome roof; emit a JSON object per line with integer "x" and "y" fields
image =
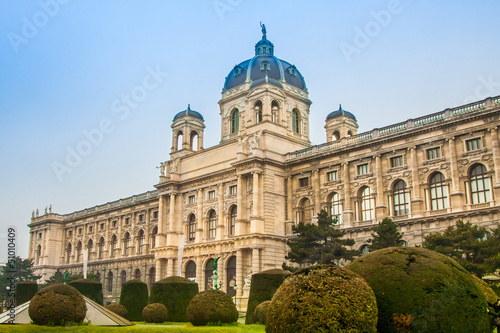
{"x": 340, "y": 112}
{"x": 264, "y": 67}
{"x": 188, "y": 112}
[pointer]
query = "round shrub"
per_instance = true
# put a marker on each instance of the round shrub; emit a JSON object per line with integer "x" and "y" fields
{"x": 155, "y": 313}
{"x": 211, "y": 306}
{"x": 89, "y": 288}
{"x": 57, "y": 305}
{"x": 260, "y": 313}
{"x": 490, "y": 295}
{"x": 25, "y": 291}
{"x": 423, "y": 291}
{"x": 134, "y": 297}
{"x": 118, "y": 309}
{"x": 263, "y": 287}
{"x": 175, "y": 293}
{"x": 323, "y": 298}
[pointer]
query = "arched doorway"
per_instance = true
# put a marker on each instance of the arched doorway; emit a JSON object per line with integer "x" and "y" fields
{"x": 231, "y": 276}
{"x": 209, "y": 271}
{"x": 190, "y": 273}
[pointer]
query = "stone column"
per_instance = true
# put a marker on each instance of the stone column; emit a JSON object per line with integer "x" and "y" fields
{"x": 290, "y": 221}
{"x": 240, "y": 223}
{"x": 316, "y": 183}
{"x": 348, "y": 212}
{"x": 199, "y": 274}
{"x": 496, "y": 160}
{"x": 239, "y": 273}
{"x": 172, "y": 229}
{"x": 201, "y": 225}
{"x": 170, "y": 267}
{"x": 417, "y": 203}
{"x": 456, "y": 196}
{"x": 380, "y": 207}
{"x": 256, "y": 223}
{"x": 255, "y": 260}
{"x": 221, "y": 231}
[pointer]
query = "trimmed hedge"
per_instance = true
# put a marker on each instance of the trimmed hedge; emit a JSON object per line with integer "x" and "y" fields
{"x": 25, "y": 291}
{"x": 323, "y": 298}
{"x": 118, "y": 309}
{"x": 58, "y": 304}
{"x": 155, "y": 313}
{"x": 263, "y": 287}
{"x": 175, "y": 293}
{"x": 89, "y": 288}
{"x": 422, "y": 291}
{"x": 212, "y": 306}
{"x": 490, "y": 295}
{"x": 260, "y": 313}
{"x": 134, "y": 297}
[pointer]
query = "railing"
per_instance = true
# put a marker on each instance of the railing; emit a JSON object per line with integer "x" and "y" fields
{"x": 410, "y": 124}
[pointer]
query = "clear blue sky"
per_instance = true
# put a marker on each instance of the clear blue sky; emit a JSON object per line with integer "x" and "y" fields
{"x": 65, "y": 65}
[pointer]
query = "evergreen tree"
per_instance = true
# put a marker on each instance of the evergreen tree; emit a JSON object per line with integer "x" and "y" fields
{"x": 320, "y": 243}
{"x": 15, "y": 270}
{"x": 385, "y": 234}
{"x": 58, "y": 277}
{"x": 476, "y": 249}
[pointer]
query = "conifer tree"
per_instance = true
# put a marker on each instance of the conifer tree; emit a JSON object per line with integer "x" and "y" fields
{"x": 385, "y": 234}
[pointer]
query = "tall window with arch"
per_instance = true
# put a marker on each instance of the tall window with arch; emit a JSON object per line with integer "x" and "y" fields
{"x": 191, "y": 227}
{"x": 179, "y": 141}
{"x": 305, "y": 213}
{"x": 126, "y": 244}
{"x": 367, "y": 207}
{"x": 212, "y": 222}
{"x": 295, "y": 121}
{"x": 479, "y": 184}
{"x": 438, "y": 191}
{"x": 209, "y": 272}
{"x": 154, "y": 232}
{"x": 194, "y": 141}
{"x": 68, "y": 253}
{"x": 137, "y": 274}
{"x": 90, "y": 246}
{"x": 123, "y": 277}
{"x": 38, "y": 254}
{"x": 232, "y": 219}
{"x": 114, "y": 241}
{"x": 275, "y": 109}
{"x": 400, "y": 198}
{"x": 190, "y": 272}
{"x": 335, "y": 135}
{"x": 231, "y": 276}
{"x": 140, "y": 241}
{"x": 152, "y": 277}
{"x": 110, "y": 281}
{"x": 336, "y": 207}
{"x": 235, "y": 121}
{"x": 100, "y": 248}
{"x": 79, "y": 252}
{"x": 258, "y": 111}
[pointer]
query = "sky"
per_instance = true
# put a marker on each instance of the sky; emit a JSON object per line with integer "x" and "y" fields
{"x": 88, "y": 89}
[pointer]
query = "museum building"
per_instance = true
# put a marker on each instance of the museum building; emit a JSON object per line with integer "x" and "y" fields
{"x": 238, "y": 200}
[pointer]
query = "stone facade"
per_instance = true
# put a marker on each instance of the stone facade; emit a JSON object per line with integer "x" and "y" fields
{"x": 239, "y": 199}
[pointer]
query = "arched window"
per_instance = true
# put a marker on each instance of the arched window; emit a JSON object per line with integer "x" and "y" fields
{"x": 336, "y": 207}
{"x": 152, "y": 276}
{"x": 123, "y": 277}
{"x": 305, "y": 212}
{"x": 235, "y": 121}
{"x": 190, "y": 273}
{"x": 180, "y": 139}
{"x": 400, "y": 197}
{"x": 349, "y": 133}
{"x": 212, "y": 222}
{"x": 137, "y": 274}
{"x": 364, "y": 249}
{"x": 79, "y": 252}
{"x": 367, "y": 204}
{"x": 113, "y": 243}
{"x": 110, "y": 281}
{"x": 140, "y": 241}
{"x": 100, "y": 248}
{"x": 295, "y": 121}
{"x": 479, "y": 184}
{"x": 335, "y": 135}
{"x": 68, "y": 253}
{"x": 38, "y": 254}
{"x": 258, "y": 111}
{"x": 232, "y": 219}
{"x": 192, "y": 228}
{"x": 194, "y": 141}
{"x": 153, "y": 237}
{"x": 209, "y": 271}
{"x": 439, "y": 192}
{"x": 90, "y": 246}
{"x": 126, "y": 244}
{"x": 275, "y": 111}
{"x": 231, "y": 276}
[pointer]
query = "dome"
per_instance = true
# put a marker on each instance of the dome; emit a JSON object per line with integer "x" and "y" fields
{"x": 188, "y": 112}
{"x": 340, "y": 112}
{"x": 264, "y": 67}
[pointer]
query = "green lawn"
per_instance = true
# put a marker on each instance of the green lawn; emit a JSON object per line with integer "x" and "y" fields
{"x": 139, "y": 327}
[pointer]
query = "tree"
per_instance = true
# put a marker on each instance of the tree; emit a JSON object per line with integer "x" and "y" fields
{"x": 58, "y": 277}
{"x": 320, "y": 243}
{"x": 385, "y": 234}
{"x": 473, "y": 247}
{"x": 15, "y": 270}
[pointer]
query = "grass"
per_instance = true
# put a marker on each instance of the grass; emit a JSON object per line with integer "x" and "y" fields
{"x": 139, "y": 327}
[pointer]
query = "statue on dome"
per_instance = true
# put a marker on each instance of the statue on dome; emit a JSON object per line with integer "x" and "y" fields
{"x": 263, "y": 26}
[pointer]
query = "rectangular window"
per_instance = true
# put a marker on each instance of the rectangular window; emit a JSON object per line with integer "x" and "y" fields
{"x": 155, "y": 215}
{"x": 39, "y": 235}
{"x": 191, "y": 200}
{"x": 91, "y": 228}
{"x": 114, "y": 223}
{"x": 433, "y": 153}
{"x": 127, "y": 220}
{"x": 304, "y": 182}
{"x": 331, "y": 176}
{"x": 141, "y": 217}
{"x": 102, "y": 226}
{"x": 80, "y": 231}
{"x": 211, "y": 195}
{"x": 233, "y": 189}
{"x": 396, "y": 161}
{"x": 473, "y": 144}
{"x": 363, "y": 169}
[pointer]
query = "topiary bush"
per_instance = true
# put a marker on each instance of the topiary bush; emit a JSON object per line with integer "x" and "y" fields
{"x": 260, "y": 313}
{"x": 175, "y": 293}
{"x": 25, "y": 291}
{"x": 89, "y": 288}
{"x": 490, "y": 295}
{"x": 57, "y": 305}
{"x": 323, "y": 298}
{"x": 423, "y": 291}
{"x": 118, "y": 309}
{"x": 155, "y": 313}
{"x": 212, "y": 306}
{"x": 134, "y": 297}
{"x": 263, "y": 287}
